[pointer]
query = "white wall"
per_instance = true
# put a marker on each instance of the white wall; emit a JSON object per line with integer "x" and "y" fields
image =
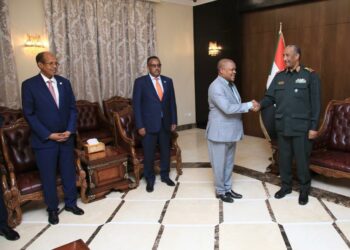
{"x": 26, "y": 16}
{"x": 174, "y": 46}
{"x": 176, "y": 51}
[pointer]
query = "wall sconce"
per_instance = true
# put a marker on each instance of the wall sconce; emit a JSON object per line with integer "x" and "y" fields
{"x": 34, "y": 41}
{"x": 214, "y": 49}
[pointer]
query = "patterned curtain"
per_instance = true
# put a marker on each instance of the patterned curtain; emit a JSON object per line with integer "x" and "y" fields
{"x": 102, "y": 45}
{"x": 9, "y": 88}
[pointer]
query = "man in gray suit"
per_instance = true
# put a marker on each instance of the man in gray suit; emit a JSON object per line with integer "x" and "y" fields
{"x": 225, "y": 127}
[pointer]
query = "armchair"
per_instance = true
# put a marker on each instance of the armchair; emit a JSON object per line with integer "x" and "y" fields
{"x": 130, "y": 140}
{"x": 91, "y": 123}
{"x": 331, "y": 150}
{"x": 20, "y": 176}
{"x": 10, "y": 115}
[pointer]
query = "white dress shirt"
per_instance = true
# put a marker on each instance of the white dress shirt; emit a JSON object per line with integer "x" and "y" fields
{"x": 54, "y": 85}
{"x": 154, "y": 82}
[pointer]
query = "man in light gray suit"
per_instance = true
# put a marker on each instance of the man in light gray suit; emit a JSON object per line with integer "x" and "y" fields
{"x": 225, "y": 127}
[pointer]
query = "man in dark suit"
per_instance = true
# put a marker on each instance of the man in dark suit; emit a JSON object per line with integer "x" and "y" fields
{"x": 49, "y": 107}
{"x": 5, "y": 230}
{"x": 155, "y": 116}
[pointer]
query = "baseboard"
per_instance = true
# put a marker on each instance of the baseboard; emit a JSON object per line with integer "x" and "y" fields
{"x": 186, "y": 126}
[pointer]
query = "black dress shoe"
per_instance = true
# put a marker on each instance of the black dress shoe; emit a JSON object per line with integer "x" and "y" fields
{"x": 9, "y": 233}
{"x": 282, "y": 192}
{"x": 168, "y": 181}
{"x": 224, "y": 198}
{"x": 75, "y": 210}
{"x": 303, "y": 197}
{"x": 53, "y": 217}
{"x": 234, "y": 195}
{"x": 149, "y": 187}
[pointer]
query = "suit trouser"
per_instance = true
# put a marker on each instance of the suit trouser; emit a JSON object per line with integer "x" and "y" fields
{"x": 149, "y": 143}
{"x": 221, "y": 156}
{"x": 47, "y": 161}
{"x": 298, "y": 147}
{"x": 3, "y": 211}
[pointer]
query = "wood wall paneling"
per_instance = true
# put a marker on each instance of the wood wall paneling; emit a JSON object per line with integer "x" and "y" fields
{"x": 320, "y": 28}
{"x": 215, "y": 21}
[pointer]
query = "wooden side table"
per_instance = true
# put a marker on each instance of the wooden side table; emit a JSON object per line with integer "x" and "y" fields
{"x": 105, "y": 171}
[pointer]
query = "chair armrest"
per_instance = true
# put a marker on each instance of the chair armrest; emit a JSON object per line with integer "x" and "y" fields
{"x": 81, "y": 177}
{"x": 126, "y": 143}
{"x": 78, "y": 167}
{"x": 10, "y": 173}
{"x": 78, "y": 141}
{"x": 10, "y": 193}
{"x": 4, "y": 183}
{"x": 321, "y": 140}
{"x": 121, "y": 134}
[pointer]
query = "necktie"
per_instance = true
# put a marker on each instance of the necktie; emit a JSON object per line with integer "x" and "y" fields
{"x": 230, "y": 84}
{"x": 52, "y": 91}
{"x": 159, "y": 89}
{"x": 235, "y": 93}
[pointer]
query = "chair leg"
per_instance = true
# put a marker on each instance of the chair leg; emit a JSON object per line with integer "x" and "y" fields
{"x": 83, "y": 186}
{"x": 137, "y": 168}
{"x": 179, "y": 164}
{"x": 13, "y": 205}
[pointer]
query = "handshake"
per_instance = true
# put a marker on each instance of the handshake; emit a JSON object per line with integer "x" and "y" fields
{"x": 256, "y": 106}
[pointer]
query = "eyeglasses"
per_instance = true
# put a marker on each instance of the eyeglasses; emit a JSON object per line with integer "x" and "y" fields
{"x": 53, "y": 64}
{"x": 155, "y": 65}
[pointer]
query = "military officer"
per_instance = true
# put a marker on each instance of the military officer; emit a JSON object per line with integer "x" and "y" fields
{"x": 296, "y": 93}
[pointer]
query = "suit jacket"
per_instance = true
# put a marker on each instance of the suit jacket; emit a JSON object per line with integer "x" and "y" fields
{"x": 149, "y": 111}
{"x": 42, "y": 113}
{"x": 225, "y": 118}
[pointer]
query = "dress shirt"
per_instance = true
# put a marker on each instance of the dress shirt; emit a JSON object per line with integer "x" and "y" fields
{"x": 154, "y": 82}
{"x": 54, "y": 85}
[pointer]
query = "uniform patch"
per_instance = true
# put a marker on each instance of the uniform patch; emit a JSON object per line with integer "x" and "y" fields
{"x": 280, "y": 82}
{"x": 309, "y": 69}
{"x": 300, "y": 80}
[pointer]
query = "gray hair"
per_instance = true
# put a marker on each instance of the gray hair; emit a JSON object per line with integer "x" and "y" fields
{"x": 296, "y": 49}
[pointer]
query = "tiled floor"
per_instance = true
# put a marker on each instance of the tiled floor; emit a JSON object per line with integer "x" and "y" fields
{"x": 188, "y": 216}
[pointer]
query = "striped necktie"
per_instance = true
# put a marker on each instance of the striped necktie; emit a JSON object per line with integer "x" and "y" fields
{"x": 52, "y": 91}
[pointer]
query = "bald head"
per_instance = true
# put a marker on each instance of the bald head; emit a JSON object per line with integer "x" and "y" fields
{"x": 227, "y": 69}
{"x": 223, "y": 63}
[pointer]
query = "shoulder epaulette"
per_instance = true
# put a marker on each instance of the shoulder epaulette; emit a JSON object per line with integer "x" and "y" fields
{"x": 309, "y": 69}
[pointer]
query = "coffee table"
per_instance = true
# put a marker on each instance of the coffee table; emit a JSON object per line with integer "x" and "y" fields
{"x": 105, "y": 171}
